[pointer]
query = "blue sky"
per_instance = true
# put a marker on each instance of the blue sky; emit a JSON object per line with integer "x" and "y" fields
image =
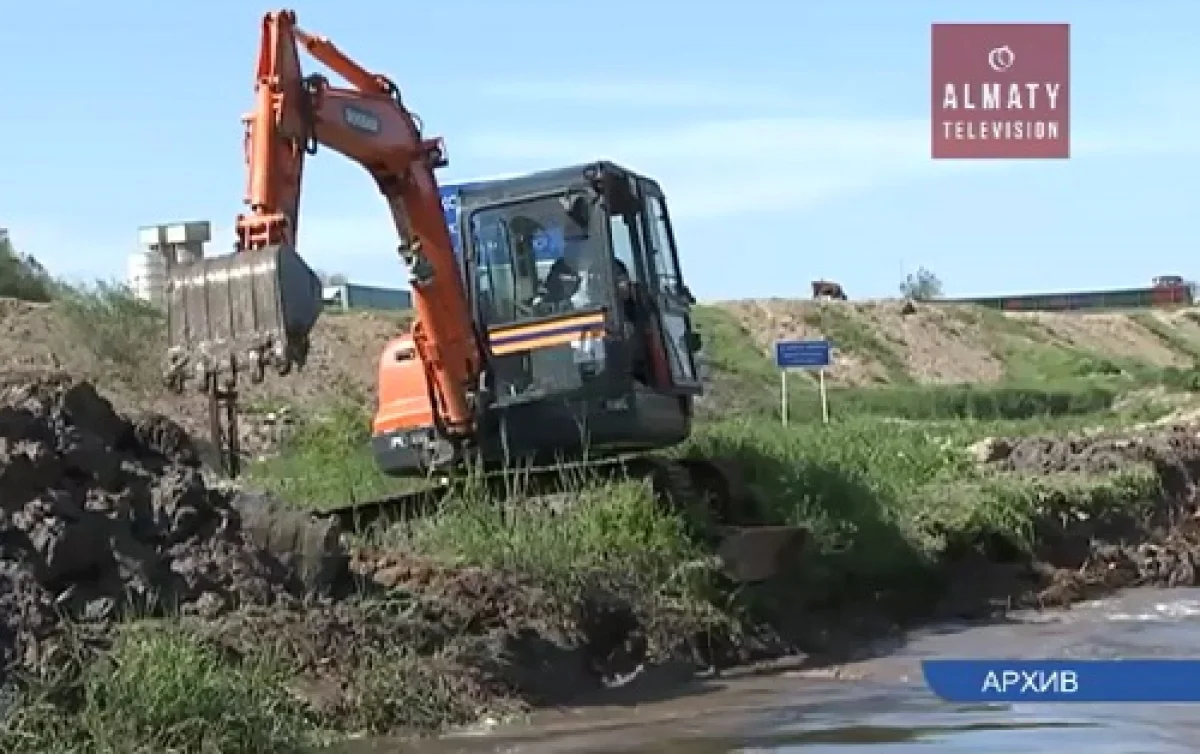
{"x": 791, "y": 138}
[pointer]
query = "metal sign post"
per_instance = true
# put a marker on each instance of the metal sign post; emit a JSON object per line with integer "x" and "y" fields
{"x": 803, "y": 354}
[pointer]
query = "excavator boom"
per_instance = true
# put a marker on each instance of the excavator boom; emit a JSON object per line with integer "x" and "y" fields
{"x": 255, "y": 307}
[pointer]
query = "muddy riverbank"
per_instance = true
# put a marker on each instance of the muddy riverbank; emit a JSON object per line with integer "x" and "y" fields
{"x": 110, "y": 540}
{"x": 881, "y": 705}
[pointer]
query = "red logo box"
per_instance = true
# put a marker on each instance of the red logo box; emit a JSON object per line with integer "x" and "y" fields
{"x": 1001, "y": 91}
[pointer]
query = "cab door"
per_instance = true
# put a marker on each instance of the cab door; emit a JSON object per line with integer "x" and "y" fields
{"x": 670, "y": 293}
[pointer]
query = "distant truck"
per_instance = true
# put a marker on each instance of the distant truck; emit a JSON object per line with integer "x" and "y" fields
{"x": 353, "y": 297}
{"x": 1165, "y": 291}
{"x": 828, "y": 290}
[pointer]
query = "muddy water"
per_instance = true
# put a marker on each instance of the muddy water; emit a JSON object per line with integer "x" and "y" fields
{"x": 880, "y": 705}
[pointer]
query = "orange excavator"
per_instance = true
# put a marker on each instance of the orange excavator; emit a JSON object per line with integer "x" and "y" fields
{"x": 552, "y": 321}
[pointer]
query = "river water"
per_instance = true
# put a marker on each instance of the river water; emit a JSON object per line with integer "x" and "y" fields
{"x": 880, "y": 705}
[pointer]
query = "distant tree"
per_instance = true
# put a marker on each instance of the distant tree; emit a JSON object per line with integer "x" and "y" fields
{"x": 338, "y": 278}
{"x": 921, "y": 285}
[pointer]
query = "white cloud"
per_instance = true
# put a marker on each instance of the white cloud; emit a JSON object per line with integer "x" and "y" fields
{"x": 733, "y": 166}
{"x": 643, "y": 93}
{"x": 715, "y": 167}
{"x": 725, "y": 167}
{"x": 710, "y": 169}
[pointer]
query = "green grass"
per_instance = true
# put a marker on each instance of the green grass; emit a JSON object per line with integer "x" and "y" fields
{"x": 603, "y": 525}
{"x": 731, "y": 349}
{"x": 124, "y": 333}
{"x": 162, "y": 690}
{"x": 607, "y": 531}
{"x": 747, "y": 382}
{"x": 327, "y": 461}
{"x": 884, "y": 501}
{"x": 862, "y": 485}
{"x": 741, "y": 378}
{"x": 1032, "y": 356}
{"x": 987, "y": 402}
{"x": 22, "y": 276}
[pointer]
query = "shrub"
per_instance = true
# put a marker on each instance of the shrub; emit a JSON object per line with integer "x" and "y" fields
{"x": 23, "y": 276}
{"x": 125, "y": 333}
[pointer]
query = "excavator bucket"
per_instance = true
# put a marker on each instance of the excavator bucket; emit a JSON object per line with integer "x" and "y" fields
{"x": 757, "y": 553}
{"x": 242, "y": 312}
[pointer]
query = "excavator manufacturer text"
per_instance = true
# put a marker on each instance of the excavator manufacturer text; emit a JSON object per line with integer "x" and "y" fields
{"x": 552, "y": 319}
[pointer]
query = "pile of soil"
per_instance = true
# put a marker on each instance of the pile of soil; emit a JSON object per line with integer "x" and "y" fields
{"x": 104, "y": 517}
{"x": 101, "y": 515}
{"x": 1085, "y": 553}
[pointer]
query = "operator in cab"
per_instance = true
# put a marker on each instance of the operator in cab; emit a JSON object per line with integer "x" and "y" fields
{"x": 575, "y": 280}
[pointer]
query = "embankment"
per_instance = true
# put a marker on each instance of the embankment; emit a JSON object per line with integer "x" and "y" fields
{"x": 142, "y": 609}
{"x": 1047, "y": 363}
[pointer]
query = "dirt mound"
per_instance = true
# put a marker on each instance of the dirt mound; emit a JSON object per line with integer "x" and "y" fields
{"x": 101, "y": 515}
{"x": 1115, "y": 335}
{"x": 490, "y": 637}
{"x": 40, "y": 339}
{"x": 1175, "y": 448}
{"x": 1088, "y": 552}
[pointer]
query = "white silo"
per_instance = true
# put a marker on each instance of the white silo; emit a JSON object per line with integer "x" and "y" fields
{"x": 147, "y": 275}
{"x": 163, "y": 247}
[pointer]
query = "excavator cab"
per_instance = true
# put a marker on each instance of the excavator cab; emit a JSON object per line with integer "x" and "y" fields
{"x": 577, "y": 292}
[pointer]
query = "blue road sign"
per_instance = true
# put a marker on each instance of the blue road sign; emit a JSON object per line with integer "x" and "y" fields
{"x": 803, "y": 354}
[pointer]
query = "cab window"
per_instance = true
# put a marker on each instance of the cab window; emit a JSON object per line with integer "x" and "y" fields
{"x": 661, "y": 254}
{"x": 532, "y": 261}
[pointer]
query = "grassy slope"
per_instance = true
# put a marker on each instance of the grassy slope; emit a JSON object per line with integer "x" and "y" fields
{"x": 877, "y": 343}
{"x": 1041, "y": 376}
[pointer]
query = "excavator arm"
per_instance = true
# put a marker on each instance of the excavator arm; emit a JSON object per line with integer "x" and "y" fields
{"x": 368, "y": 123}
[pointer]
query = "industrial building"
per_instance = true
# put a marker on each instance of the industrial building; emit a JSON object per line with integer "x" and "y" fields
{"x": 351, "y": 296}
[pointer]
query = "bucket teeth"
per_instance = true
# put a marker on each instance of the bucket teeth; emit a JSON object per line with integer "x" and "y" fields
{"x": 240, "y": 313}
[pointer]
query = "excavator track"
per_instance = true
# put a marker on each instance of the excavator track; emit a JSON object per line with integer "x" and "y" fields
{"x": 711, "y": 495}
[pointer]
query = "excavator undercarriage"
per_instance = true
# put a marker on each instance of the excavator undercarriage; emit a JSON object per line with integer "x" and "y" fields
{"x": 718, "y": 507}
{"x": 553, "y": 337}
